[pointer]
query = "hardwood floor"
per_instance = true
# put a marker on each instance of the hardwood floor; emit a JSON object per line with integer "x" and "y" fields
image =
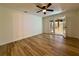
{"x": 42, "y": 45}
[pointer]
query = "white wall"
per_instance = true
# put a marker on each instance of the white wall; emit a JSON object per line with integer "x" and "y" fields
{"x": 75, "y": 25}
{"x": 16, "y": 25}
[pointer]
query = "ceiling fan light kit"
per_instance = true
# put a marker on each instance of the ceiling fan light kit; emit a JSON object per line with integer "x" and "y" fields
{"x": 44, "y": 11}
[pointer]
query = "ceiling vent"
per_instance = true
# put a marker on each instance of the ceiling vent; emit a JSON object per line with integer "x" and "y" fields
{"x": 25, "y": 11}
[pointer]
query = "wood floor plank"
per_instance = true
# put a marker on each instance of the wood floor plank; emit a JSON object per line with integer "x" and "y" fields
{"x": 42, "y": 45}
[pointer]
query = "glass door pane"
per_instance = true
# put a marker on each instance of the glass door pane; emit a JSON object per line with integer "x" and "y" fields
{"x": 60, "y": 26}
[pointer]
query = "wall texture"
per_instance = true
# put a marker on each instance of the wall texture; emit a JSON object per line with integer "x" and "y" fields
{"x": 16, "y": 25}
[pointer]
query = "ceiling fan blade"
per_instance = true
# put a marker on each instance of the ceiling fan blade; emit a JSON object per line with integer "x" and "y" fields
{"x": 49, "y": 5}
{"x": 50, "y": 10}
{"x": 38, "y": 11}
{"x": 44, "y": 7}
{"x": 39, "y": 7}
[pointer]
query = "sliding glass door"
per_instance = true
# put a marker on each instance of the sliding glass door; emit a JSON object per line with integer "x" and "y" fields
{"x": 57, "y": 26}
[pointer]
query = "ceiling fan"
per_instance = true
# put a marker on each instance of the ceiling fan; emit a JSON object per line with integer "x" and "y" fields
{"x": 44, "y": 8}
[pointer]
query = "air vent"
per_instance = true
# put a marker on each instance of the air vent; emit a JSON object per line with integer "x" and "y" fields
{"x": 25, "y": 11}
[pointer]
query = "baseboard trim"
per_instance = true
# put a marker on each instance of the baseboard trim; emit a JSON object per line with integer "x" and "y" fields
{"x": 18, "y": 39}
{"x": 72, "y": 37}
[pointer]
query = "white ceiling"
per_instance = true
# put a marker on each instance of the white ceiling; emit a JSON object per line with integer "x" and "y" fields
{"x": 32, "y": 9}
